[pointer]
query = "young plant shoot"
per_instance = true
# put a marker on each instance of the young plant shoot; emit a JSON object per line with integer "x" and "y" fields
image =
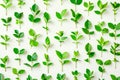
{"x": 3, "y": 78}
{"x": 88, "y": 48}
{"x": 100, "y": 28}
{"x": 21, "y": 3}
{"x": 7, "y": 22}
{"x": 46, "y": 77}
{"x": 113, "y": 77}
{"x": 18, "y": 52}
{"x": 115, "y": 6}
{"x": 19, "y": 36}
{"x": 61, "y": 76}
{"x": 76, "y": 2}
{"x": 47, "y": 43}
{"x": 33, "y": 60}
{"x": 87, "y": 28}
{"x": 89, "y": 6}
{"x": 30, "y": 78}
{"x": 102, "y": 8}
{"x": 19, "y": 17}
{"x": 6, "y": 4}
{"x": 116, "y": 52}
{"x": 33, "y": 41}
{"x": 102, "y": 65}
{"x": 60, "y": 37}
{"x": 46, "y": 2}
{"x": 89, "y": 74}
{"x": 76, "y": 37}
{"x": 115, "y": 28}
{"x": 18, "y": 73}
{"x": 46, "y": 20}
{"x": 5, "y": 38}
{"x": 35, "y": 12}
{"x": 75, "y": 58}
{"x": 75, "y": 17}
{"x": 4, "y": 61}
{"x": 63, "y": 58}
{"x": 101, "y": 44}
{"x": 61, "y": 16}
{"x": 75, "y": 74}
{"x": 47, "y": 62}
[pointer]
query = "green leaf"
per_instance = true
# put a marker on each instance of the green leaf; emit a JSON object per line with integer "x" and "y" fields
{"x": 27, "y": 64}
{"x": 98, "y": 28}
{"x": 110, "y": 25}
{"x": 47, "y": 41}
{"x": 36, "y": 64}
{"x": 105, "y": 30}
{"x": 21, "y": 71}
{"x": 76, "y": 2}
{"x": 88, "y": 24}
{"x": 100, "y": 62}
{"x": 111, "y": 34}
{"x": 22, "y": 51}
{"x": 98, "y": 12}
{"x": 32, "y": 32}
{"x": 58, "y": 15}
{"x": 16, "y": 50}
{"x": 76, "y": 53}
{"x": 46, "y": 16}
{"x": 88, "y": 47}
{"x": 63, "y": 12}
{"x": 35, "y": 7}
{"x": 85, "y": 4}
{"x": 73, "y": 37}
{"x": 59, "y": 54}
{"x": 18, "y": 15}
{"x": 66, "y": 61}
{"x": 118, "y": 26}
{"x": 14, "y": 70}
{"x": 99, "y": 47}
{"x": 36, "y": 20}
{"x": 101, "y": 69}
{"x": 85, "y": 30}
{"x": 65, "y": 55}
{"x": 113, "y": 77}
{"x": 107, "y": 62}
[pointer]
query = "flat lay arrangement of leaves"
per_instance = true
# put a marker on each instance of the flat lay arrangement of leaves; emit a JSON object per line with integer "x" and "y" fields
{"x": 60, "y": 40}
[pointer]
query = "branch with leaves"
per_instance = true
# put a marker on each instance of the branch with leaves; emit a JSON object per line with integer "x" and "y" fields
{"x": 47, "y": 43}
{"x": 5, "y": 38}
{"x": 3, "y": 78}
{"x": 7, "y": 22}
{"x": 46, "y": 2}
{"x": 75, "y": 74}
{"x": 89, "y": 74}
{"x": 21, "y": 3}
{"x": 30, "y": 78}
{"x": 61, "y": 76}
{"x": 76, "y": 3}
{"x": 46, "y": 77}
{"x": 113, "y": 77}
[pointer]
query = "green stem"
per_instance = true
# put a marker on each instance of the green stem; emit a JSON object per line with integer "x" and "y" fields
{"x": 19, "y": 60}
{"x": 88, "y": 13}
{"x": 101, "y": 53}
{"x": 31, "y": 65}
{"x": 102, "y": 72}
{"x": 18, "y": 42}
{"x": 89, "y": 36}
{"x": 115, "y": 34}
{"x": 114, "y": 17}
{"x": 75, "y": 65}
{"x": 47, "y": 69}
{"x": 101, "y": 16}
{"x": 76, "y": 45}
{"x": 61, "y": 1}
{"x": 6, "y": 28}
{"x": 5, "y": 47}
{"x": 60, "y": 44}
{"x": 115, "y": 61}
{"x": 75, "y": 8}
{"x": 62, "y": 67}
{"x": 75, "y": 25}
{"x": 6, "y": 11}
{"x": 46, "y": 7}
{"x": 34, "y": 1}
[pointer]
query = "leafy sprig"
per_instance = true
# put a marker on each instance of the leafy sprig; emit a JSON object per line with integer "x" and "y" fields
{"x": 47, "y": 43}
{"x": 89, "y": 74}
{"x": 75, "y": 74}
{"x": 61, "y": 76}
{"x": 46, "y": 77}
{"x": 3, "y": 78}
{"x": 21, "y": 3}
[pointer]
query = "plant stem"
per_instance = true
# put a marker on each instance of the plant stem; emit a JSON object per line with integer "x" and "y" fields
{"x": 75, "y": 8}
{"x": 6, "y": 28}
{"x": 114, "y": 17}
{"x": 62, "y": 67}
{"x": 75, "y": 65}
{"x": 75, "y": 25}
{"x": 101, "y": 16}
{"x": 61, "y": 1}
{"x": 46, "y": 7}
{"x": 19, "y": 60}
{"x": 34, "y": 1}
{"x": 115, "y": 61}
{"x": 47, "y": 69}
{"x": 115, "y": 34}
{"x": 76, "y": 45}
{"x": 5, "y": 47}
{"x": 18, "y": 42}
{"x": 89, "y": 36}
{"x": 31, "y": 65}
{"x": 101, "y": 53}
{"x": 102, "y": 72}
{"x": 88, "y": 13}
{"x": 6, "y": 11}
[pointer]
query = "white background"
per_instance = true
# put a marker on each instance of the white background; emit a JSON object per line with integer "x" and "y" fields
{"x": 68, "y": 46}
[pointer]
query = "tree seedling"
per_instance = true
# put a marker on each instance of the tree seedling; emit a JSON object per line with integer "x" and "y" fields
{"x": 6, "y": 4}
{"x": 18, "y": 52}
{"x": 33, "y": 41}
{"x": 60, "y": 37}
{"x": 115, "y": 6}
{"x": 46, "y": 2}
{"x": 46, "y": 77}
{"x": 61, "y": 16}
{"x": 116, "y": 52}
{"x": 101, "y": 44}
{"x": 75, "y": 58}
{"x": 76, "y": 2}
{"x": 75, "y": 74}
{"x": 32, "y": 58}
{"x": 30, "y": 78}
{"x": 47, "y": 43}
{"x": 61, "y": 76}
{"x": 87, "y": 28}
{"x": 46, "y": 20}
{"x": 89, "y": 6}
{"x": 5, "y": 38}
{"x": 21, "y": 3}
{"x": 4, "y": 61}
{"x": 19, "y": 36}
{"x": 113, "y": 77}
{"x": 75, "y": 17}
{"x": 3, "y": 78}
{"x": 89, "y": 74}
{"x": 63, "y": 58}
{"x": 102, "y": 8}
{"x": 102, "y": 65}
{"x": 7, "y": 22}
{"x": 88, "y": 48}
{"x": 47, "y": 62}
{"x": 35, "y": 12}
{"x": 18, "y": 72}
{"x": 100, "y": 28}
{"x": 115, "y": 28}
{"x": 19, "y": 17}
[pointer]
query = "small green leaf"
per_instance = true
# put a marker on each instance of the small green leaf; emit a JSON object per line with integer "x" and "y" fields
{"x": 100, "y": 62}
